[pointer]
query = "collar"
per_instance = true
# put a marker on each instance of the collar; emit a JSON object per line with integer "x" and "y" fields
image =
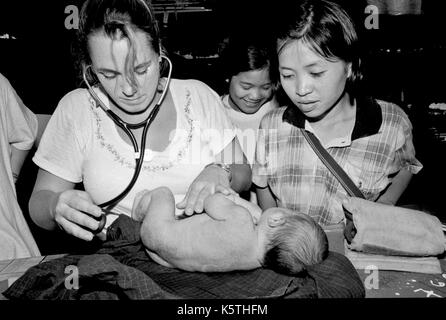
{"x": 368, "y": 117}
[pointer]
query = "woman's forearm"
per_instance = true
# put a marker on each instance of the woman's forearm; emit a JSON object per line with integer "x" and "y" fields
{"x": 17, "y": 159}
{"x": 397, "y": 187}
{"x": 265, "y": 198}
{"x": 41, "y": 206}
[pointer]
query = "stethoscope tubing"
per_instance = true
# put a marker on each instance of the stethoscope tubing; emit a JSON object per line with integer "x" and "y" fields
{"x": 127, "y": 128}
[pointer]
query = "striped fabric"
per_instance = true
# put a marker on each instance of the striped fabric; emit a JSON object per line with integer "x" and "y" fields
{"x": 379, "y": 147}
{"x": 121, "y": 269}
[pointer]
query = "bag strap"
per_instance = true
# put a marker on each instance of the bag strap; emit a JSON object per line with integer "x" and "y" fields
{"x": 332, "y": 165}
{"x": 343, "y": 178}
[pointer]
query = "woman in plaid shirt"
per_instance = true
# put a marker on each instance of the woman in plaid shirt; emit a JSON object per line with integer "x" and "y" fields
{"x": 370, "y": 139}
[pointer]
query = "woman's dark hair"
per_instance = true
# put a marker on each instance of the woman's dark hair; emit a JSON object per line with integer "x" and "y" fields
{"x": 117, "y": 19}
{"x": 246, "y": 53}
{"x": 326, "y": 28}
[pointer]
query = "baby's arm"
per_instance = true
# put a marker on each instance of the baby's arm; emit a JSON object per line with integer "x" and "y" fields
{"x": 254, "y": 210}
{"x": 219, "y": 206}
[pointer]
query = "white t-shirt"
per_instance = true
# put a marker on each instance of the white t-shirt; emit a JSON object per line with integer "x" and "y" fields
{"x": 247, "y": 125}
{"x": 81, "y": 143}
{"x": 18, "y": 128}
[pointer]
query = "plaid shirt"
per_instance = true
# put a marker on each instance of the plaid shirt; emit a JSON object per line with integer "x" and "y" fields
{"x": 379, "y": 147}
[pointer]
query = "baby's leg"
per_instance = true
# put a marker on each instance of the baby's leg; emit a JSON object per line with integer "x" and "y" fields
{"x": 157, "y": 201}
{"x": 158, "y": 210}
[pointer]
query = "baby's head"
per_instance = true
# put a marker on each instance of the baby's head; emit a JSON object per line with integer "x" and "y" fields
{"x": 292, "y": 241}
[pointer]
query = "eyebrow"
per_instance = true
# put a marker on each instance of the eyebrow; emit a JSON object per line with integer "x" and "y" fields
{"x": 313, "y": 64}
{"x": 310, "y": 65}
{"x": 143, "y": 64}
{"x": 251, "y": 84}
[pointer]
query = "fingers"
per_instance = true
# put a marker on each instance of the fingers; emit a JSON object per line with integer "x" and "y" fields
{"x": 197, "y": 194}
{"x": 81, "y": 201}
{"x": 75, "y": 229}
{"x": 182, "y": 204}
{"x": 194, "y": 199}
{"x": 76, "y": 214}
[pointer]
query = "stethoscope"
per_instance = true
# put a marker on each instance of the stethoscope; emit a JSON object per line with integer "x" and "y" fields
{"x": 127, "y": 128}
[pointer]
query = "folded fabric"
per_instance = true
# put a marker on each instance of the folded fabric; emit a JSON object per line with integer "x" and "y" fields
{"x": 390, "y": 230}
{"x": 363, "y": 260}
{"x": 121, "y": 269}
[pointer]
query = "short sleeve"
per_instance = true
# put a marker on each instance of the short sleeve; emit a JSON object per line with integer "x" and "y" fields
{"x": 63, "y": 145}
{"x": 20, "y": 122}
{"x": 216, "y": 126}
{"x": 405, "y": 150}
{"x": 259, "y": 168}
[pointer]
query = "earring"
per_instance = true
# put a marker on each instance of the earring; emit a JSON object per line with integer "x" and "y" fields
{"x": 160, "y": 86}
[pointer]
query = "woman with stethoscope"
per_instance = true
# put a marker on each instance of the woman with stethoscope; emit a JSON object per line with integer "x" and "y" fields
{"x": 96, "y": 135}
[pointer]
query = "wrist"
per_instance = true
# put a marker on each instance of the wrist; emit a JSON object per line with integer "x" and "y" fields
{"x": 225, "y": 167}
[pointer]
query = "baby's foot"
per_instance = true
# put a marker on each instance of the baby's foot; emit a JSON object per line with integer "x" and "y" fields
{"x": 141, "y": 205}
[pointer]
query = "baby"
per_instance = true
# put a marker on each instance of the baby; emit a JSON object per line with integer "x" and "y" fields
{"x": 232, "y": 234}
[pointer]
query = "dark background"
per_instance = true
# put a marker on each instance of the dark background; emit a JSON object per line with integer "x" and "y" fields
{"x": 403, "y": 62}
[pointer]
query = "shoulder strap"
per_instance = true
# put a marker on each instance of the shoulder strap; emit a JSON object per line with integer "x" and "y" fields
{"x": 332, "y": 165}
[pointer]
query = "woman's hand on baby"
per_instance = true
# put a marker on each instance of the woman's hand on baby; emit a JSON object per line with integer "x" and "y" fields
{"x": 74, "y": 212}
{"x": 211, "y": 180}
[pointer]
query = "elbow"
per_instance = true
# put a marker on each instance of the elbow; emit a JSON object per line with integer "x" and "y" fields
{"x": 40, "y": 209}
{"x": 32, "y": 204}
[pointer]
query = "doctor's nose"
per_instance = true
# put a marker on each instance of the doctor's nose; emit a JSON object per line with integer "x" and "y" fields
{"x": 127, "y": 88}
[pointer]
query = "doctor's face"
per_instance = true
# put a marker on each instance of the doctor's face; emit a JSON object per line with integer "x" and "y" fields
{"x": 109, "y": 58}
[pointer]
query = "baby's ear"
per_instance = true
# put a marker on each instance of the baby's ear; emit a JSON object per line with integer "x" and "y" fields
{"x": 276, "y": 219}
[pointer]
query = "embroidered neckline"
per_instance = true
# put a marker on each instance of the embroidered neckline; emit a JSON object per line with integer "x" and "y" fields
{"x": 147, "y": 165}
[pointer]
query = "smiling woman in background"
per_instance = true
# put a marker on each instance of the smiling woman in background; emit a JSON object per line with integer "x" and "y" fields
{"x": 249, "y": 67}
{"x": 122, "y": 60}
{"x": 370, "y": 139}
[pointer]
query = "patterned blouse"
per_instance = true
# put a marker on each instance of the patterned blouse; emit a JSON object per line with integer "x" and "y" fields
{"x": 378, "y": 148}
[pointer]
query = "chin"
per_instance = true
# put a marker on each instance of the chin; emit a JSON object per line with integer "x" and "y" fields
{"x": 250, "y": 109}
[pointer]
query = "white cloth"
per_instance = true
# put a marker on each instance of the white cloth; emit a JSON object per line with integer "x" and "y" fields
{"x": 18, "y": 128}
{"x": 81, "y": 143}
{"x": 247, "y": 125}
